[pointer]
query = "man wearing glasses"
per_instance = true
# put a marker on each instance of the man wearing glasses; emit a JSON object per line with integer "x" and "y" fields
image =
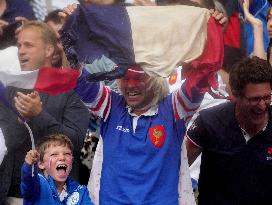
{"x": 235, "y": 139}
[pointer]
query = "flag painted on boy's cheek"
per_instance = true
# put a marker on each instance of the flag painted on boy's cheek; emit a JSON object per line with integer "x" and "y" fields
{"x": 50, "y": 166}
{"x": 135, "y": 36}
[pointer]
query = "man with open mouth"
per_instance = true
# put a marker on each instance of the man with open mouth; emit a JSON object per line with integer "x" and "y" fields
{"x": 235, "y": 139}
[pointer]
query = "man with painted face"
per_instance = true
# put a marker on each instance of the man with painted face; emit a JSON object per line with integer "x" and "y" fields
{"x": 235, "y": 140}
{"x": 63, "y": 113}
{"x": 142, "y": 128}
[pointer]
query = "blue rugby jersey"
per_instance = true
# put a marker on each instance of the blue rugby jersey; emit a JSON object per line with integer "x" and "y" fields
{"x": 140, "y": 167}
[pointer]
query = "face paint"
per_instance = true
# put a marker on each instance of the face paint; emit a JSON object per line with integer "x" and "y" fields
{"x": 57, "y": 162}
{"x": 135, "y": 87}
{"x": 134, "y": 76}
{"x": 50, "y": 166}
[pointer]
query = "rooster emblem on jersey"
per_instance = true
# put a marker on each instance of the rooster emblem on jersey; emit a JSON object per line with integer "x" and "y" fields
{"x": 157, "y": 135}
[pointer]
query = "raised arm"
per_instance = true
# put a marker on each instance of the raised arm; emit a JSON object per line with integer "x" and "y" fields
{"x": 184, "y": 106}
{"x": 193, "y": 151}
{"x": 67, "y": 11}
{"x": 257, "y": 26}
{"x": 200, "y": 74}
{"x": 195, "y": 139}
{"x": 30, "y": 185}
{"x": 94, "y": 95}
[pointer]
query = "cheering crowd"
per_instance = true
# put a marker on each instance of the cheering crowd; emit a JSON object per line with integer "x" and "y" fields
{"x": 177, "y": 114}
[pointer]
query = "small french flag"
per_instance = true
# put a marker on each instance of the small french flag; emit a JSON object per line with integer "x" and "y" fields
{"x": 49, "y": 80}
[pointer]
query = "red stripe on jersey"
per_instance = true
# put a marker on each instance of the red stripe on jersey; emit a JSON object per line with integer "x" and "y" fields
{"x": 100, "y": 102}
{"x": 177, "y": 117}
{"x": 107, "y": 106}
{"x": 183, "y": 103}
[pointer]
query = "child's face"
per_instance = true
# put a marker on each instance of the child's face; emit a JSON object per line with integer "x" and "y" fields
{"x": 57, "y": 162}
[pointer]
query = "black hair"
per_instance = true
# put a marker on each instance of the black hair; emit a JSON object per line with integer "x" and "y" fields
{"x": 53, "y": 16}
{"x": 250, "y": 70}
{"x": 231, "y": 57}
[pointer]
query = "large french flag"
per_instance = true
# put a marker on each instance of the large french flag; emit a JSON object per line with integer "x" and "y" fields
{"x": 158, "y": 38}
{"x": 49, "y": 80}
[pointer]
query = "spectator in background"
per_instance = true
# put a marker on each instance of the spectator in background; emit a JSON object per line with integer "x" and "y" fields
{"x": 269, "y": 29}
{"x": 269, "y": 22}
{"x": 233, "y": 54}
{"x": 259, "y": 9}
{"x": 55, "y": 22}
{"x": 257, "y": 26}
{"x": 12, "y": 11}
{"x": 63, "y": 113}
{"x": 239, "y": 32}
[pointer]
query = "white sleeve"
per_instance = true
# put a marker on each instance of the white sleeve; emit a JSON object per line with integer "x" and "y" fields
{"x": 186, "y": 194}
{"x": 3, "y": 148}
{"x": 95, "y": 175}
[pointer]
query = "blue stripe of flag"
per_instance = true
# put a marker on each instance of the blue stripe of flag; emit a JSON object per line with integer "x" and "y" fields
{"x": 97, "y": 30}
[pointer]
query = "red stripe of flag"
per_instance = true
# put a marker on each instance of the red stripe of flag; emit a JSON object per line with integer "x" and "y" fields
{"x": 56, "y": 80}
{"x": 210, "y": 61}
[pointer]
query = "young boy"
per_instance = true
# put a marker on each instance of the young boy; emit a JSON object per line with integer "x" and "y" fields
{"x": 54, "y": 157}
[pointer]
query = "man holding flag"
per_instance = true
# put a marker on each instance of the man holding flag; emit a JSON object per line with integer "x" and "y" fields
{"x": 143, "y": 127}
{"x": 45, "y": 114}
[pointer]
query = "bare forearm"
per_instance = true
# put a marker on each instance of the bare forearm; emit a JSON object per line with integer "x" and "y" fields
{"x": 258, "y": 49}
{"x": 193, "y": 151}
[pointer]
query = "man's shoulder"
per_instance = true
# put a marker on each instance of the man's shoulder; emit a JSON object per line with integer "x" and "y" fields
{"x": 219, "y": 110}
{"x": 218, "y": 115}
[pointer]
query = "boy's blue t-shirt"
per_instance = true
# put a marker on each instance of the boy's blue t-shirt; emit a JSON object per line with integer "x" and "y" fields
{"x": 39, "y": 190}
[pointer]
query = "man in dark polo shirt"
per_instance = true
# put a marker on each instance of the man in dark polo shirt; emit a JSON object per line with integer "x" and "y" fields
{"x": 235, "y": 139}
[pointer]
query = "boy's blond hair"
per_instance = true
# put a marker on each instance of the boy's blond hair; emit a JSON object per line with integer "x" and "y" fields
{"x": 53, "y": 140}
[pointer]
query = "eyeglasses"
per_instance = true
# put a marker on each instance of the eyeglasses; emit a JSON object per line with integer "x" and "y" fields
{"x": 257, "y": 100}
